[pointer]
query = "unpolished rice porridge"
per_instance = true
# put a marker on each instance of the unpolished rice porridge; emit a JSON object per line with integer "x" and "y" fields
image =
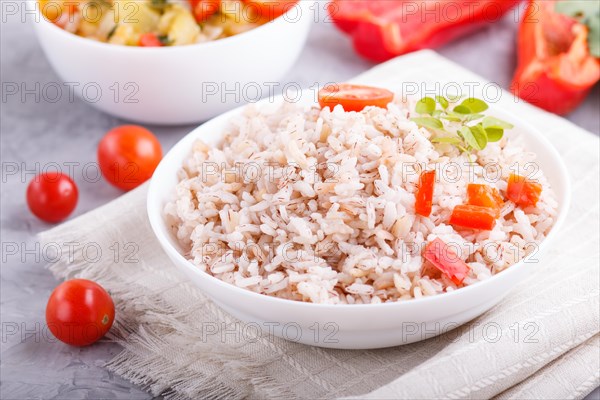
{"x": 318, "y": 205}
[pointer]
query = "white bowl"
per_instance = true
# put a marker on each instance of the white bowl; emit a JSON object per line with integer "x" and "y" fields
{"x": 179, "y": 84}
{"x": 350, "y": 326}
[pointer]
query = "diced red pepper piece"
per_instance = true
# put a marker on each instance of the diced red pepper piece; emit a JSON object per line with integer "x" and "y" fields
{"x": 383, "y": 29}
{"x": 149, "y": 40}
{"x": 474, "y": 217}
{"x": 424, "y": 195}
{"x": 555, "y": 69}
{"x": 484, "y": 196}
{"x": 522, "y": 191}
{"x": 445, "y": 259}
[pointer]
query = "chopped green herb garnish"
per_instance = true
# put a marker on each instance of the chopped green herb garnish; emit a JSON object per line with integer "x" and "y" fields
{"x": 474, "y": 130}
{"x": 158, "y": 4}
{"x": 112, "y": 31}
{"x": 164, "y": 40}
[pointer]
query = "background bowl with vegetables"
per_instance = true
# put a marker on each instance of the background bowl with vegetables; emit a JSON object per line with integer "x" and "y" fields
{"x": 138, "y": 64}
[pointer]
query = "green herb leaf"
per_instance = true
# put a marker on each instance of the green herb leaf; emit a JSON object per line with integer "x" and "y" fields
{"x": 588, "y": 13}
{"x": 453, "y": 98}
{"x": 158, "y": 4}
{"x": 466, "y": 133}
{"x": 164, "y": 40}
{"x": 425, "y": 106}
{"x": 428, "y": 122}
{"x": 442, "y": 101}
{"x": 460, "y": 109}
{"x": 452, "y": 118}
{"x": 492, "y": 122}
{"x": 475, "y": 105}
{"x": 473, "y": 117}
{"x": 480, "y": 136}
{"x": 470, "y": 136}
{"x": 446, "y": 139}
{"x": 494, "y": 134}
{"x": 112, "y": 31}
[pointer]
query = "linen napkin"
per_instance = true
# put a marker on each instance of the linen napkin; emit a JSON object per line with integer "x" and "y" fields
{"x": 542, "y": 341}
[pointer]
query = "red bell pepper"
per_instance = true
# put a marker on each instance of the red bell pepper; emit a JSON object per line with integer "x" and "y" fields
{"x": 383, "y": 29}
{"x": 443, "y": 258}
{"x": 555, "y": 68}
{"x": 424, "y": 195}
{"x": 474, "y": 217}
{"x": 484, "y": 196}
{"x": 522, "y": 191}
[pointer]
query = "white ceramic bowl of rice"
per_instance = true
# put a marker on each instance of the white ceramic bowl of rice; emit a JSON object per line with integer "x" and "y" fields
{"x": 363, "y": 288}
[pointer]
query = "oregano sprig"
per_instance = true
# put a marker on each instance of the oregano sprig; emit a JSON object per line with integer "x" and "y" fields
{"x": 474, "y": 130}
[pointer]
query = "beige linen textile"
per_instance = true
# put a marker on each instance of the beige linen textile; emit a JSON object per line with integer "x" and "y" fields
{"x": 540, "y": 342}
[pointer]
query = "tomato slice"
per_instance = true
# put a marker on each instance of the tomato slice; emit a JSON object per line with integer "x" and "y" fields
{"x": 424, "y": 196}
{"x": 522, "y": 191}
{"x": 149, "y": 40}
{"x": 354, "y": 97}
{"x": 203, "y": 9}
{"x": 484, "y": 196}
{"x": 445, "y": 259}
{"x": 474, "y": 217}
{"x": 271, "y": 9}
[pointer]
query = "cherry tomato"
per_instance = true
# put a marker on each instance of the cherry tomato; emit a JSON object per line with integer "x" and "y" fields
{"x": 52, "y": 196}
{"x": 354, "y": 97}
{"x": 203, "y": 9}
{"x": 271, "y": 9}
{"x": 149, "y": 40}
{"x": 79, "y": 312}
{"x": 128, "y": 156}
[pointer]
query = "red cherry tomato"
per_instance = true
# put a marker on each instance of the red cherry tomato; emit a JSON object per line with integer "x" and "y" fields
{"x": 149, "y": 40}
{"x": 52, "y": 196}
{"x": 128, "y": 156}
{"x": 271, "y": 9}
{"x": 79, "y": 312}
{"x": 354, "y": 97}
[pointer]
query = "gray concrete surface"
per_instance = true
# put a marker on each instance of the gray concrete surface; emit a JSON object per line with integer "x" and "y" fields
{"x": 35, "y": 133}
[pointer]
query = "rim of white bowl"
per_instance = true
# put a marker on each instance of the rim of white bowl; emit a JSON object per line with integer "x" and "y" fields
{"x": 40, "y": 19}
{"x": 155, "y": 216}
